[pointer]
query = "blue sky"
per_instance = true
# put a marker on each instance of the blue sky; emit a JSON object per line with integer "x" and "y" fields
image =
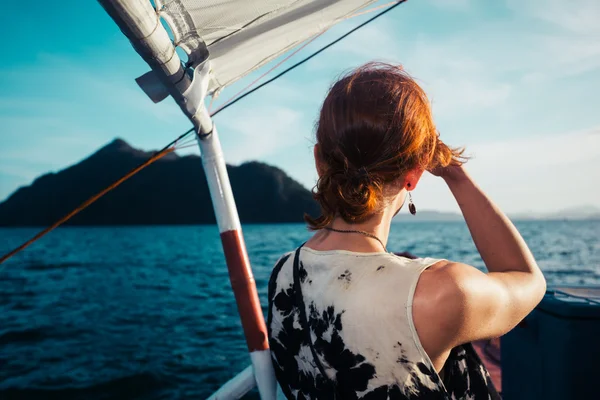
{"x": 516, "y": 82}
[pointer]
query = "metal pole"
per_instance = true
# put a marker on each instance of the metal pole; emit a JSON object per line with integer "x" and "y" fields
{"x": 240, "y": 272}
{"x": 140, "y": 23}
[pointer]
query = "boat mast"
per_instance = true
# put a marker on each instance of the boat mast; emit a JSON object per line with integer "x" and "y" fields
{"x": 138, "y": 20}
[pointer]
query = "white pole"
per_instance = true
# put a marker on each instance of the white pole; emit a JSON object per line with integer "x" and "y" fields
{"x": 240, "y": 272}
{"x": 140, "y": 23}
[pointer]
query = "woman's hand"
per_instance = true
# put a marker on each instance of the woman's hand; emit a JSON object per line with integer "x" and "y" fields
{"x": 452, "y": 172}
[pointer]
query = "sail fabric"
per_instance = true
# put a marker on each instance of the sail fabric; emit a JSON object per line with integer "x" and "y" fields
{"x": 243, "y": 35}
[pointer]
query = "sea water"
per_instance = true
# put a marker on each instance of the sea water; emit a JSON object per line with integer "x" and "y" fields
{"x": 148, "y": 312}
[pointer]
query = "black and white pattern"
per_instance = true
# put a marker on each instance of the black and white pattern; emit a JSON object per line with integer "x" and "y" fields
{"x": 360, "y": 336}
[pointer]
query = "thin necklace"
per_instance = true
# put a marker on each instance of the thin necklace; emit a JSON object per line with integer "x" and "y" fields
{"x": 356, "y": 231}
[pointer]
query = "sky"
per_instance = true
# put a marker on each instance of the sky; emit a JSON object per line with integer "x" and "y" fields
{"x": 516, "y": 82}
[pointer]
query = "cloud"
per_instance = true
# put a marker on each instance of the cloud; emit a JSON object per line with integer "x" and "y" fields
{"x": 451, "y": 4}
{"x": 374, "y": 41}
{"x": 459, "y": 82}
{"x": 540, "y": 172}
{"x": 554, "y": 39}
{"x": 541, "y": 41}
{"x": 276, "y": 120}
{"x": 258, "y": 132}
{"x": 17, "y": 172}
{"x": 70, "y": 145}
{"x": 578, "y": 16}
{"x": 541, "y": 151}
{"x": 53, "y": 119}
{"x": 505, "y": 173}
{"x": 451, "y": 98}
{"x": 78, "y": 89}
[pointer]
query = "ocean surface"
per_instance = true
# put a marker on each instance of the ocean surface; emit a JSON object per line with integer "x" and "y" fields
{"x": 148, "y": 312}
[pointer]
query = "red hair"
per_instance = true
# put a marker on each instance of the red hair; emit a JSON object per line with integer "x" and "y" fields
{"x": 375, "y": 126}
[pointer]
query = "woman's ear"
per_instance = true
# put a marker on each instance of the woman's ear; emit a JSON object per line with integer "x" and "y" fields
{"x": 412, "y": 177}
{"x": 318, "y": 161}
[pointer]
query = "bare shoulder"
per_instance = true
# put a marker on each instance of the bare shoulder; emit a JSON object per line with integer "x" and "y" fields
{"x": 468, "y": 304}
{"x": 453, "y": 295}
{"x": 445, "y": 283}
{"x": 453, "y": 282}
{"x": 452, "y": 291}
{"x": 434, "y": 301}
{"x": 450, "y": 271}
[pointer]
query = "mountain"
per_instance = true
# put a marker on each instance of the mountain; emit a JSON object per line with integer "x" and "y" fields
{"x": 571, "y": 214}
{"x": 173, "y": 190}
{"x": 428, "y": 216}
{"x": 586, "y": 212}
{"x": 582, "y": 212}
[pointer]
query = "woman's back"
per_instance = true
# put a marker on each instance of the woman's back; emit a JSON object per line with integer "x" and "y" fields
{"x": 354, "y": 322}
{"x": 359, "y": 310}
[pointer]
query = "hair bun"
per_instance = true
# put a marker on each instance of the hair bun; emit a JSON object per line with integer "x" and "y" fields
{"x": 360, "y": 175}
{"x": 357, "y": 193}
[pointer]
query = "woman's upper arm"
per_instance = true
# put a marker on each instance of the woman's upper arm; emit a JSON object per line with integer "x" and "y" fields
{"x": 469, "y": 305}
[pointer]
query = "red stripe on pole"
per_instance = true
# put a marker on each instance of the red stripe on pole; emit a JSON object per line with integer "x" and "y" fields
{"x": 244, "y": 289}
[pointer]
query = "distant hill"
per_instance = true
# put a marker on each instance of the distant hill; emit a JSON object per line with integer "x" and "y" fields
{"x": 571, "y": 214}
{"x": 428, "y": 216}
{"x": 173, "y": 190}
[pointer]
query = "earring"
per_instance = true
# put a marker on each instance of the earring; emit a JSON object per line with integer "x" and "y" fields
{"x": 411, "y": 205}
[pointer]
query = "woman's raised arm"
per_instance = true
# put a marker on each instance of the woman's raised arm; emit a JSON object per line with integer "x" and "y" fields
{"x": 471, "y": 304}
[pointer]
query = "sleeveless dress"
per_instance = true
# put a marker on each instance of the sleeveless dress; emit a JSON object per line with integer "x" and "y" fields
{"x": 359, "y": 310}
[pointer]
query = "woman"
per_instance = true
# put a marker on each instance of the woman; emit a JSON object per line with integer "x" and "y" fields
{"x": 347, "y": 318}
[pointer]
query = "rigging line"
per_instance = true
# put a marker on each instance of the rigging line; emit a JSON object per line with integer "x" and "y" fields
{"x": 370, "y": 10}
{"x": 156, "y": 156}
{"x": 186, "y": 141}
{"x": 232, "y": 98}
{"x": 185, "y": 146}
{"x": 191, "y": 145}
{"x": 212, "y": 99}
{"x": 322, "y": 49}
{"x": 189, "y": 139}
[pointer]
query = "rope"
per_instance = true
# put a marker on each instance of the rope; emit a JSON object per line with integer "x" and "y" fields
{"x": 156, "y": 156}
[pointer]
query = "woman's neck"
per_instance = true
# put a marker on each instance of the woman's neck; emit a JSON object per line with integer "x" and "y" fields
{"x": 378, "y": 225}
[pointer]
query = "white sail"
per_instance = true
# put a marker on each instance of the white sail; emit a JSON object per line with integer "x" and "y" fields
{"x": 243, "y": 35}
